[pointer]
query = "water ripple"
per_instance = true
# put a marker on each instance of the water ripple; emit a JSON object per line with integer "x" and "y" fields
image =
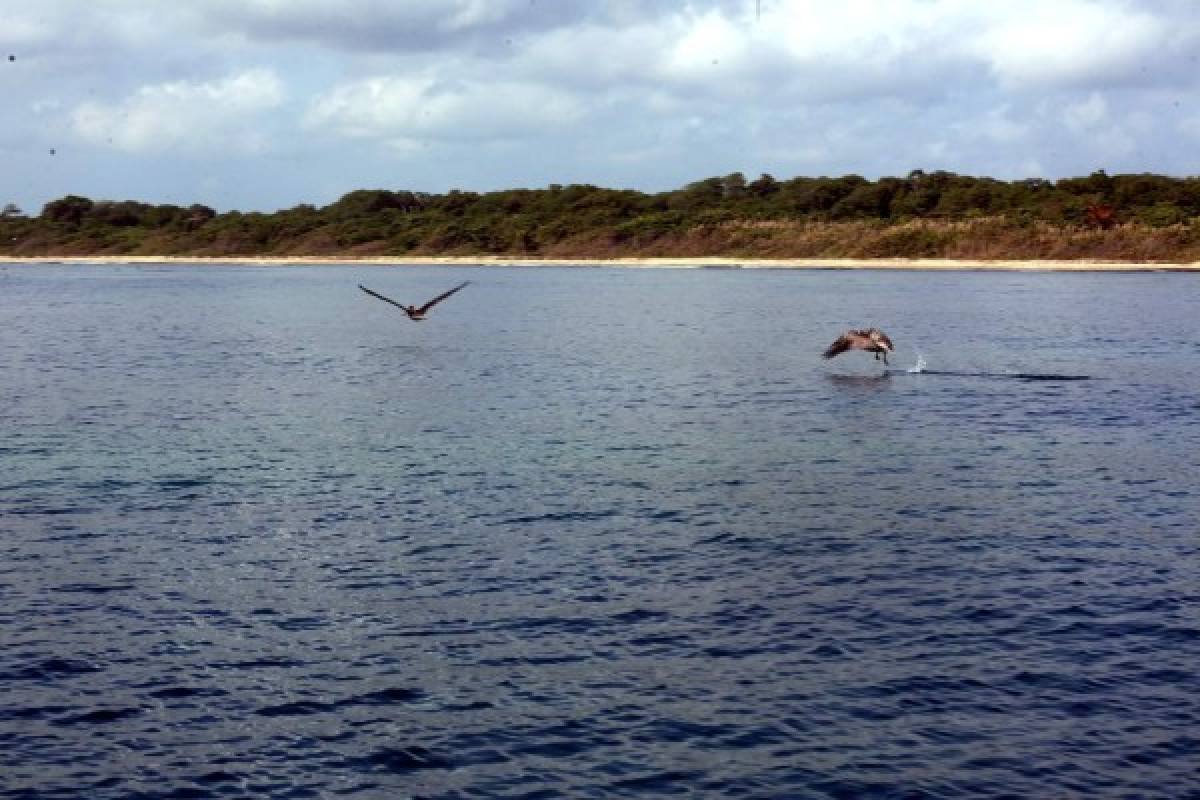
{"x": 260, "y": 542}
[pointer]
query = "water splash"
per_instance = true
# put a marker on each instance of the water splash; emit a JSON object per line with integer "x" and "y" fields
{"x": 920, "y": 365}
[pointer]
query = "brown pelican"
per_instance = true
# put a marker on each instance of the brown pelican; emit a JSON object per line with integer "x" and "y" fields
{"x": 872, "y": 340}
{"x": 415, "y": 313}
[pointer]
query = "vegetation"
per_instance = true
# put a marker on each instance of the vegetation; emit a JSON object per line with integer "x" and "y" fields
{"x": 1138, "y": 217}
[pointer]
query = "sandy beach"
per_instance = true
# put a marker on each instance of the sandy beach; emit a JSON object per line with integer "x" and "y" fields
{"x": 659, "y": 263}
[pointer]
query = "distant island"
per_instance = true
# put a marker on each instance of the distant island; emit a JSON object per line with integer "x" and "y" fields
{"x": 1141, "y": 218}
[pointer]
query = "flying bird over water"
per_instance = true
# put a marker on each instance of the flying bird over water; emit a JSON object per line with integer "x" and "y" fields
{"x": 872, "y": 340}
{"x": 414, "y": 312}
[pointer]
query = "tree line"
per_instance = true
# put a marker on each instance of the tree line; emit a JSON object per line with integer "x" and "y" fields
{"x": 727, "y": 215}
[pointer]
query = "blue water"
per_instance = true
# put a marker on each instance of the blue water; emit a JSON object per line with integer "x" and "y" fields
{"x": 595, "y": 532}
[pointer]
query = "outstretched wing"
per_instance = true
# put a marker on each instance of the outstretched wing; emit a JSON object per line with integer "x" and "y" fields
{"x": 381, "y": 297}
{"x": 440, "y": 298}
{"x": 883, "y": 337}
{"x": 840, "y": 345}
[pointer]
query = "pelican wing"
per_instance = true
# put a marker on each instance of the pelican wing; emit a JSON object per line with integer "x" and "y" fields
{"x": 839, "y": 346}
{"x": 440, "y": 298}
{"x": 381, "y": 297}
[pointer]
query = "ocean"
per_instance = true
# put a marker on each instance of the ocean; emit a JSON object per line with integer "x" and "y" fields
{"x": 597, "y": 532}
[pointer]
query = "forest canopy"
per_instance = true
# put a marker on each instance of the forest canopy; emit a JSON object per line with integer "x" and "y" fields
{"x": 927, "y": 214}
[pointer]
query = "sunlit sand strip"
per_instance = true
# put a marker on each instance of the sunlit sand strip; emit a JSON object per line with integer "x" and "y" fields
{"x": 660, "y": 263}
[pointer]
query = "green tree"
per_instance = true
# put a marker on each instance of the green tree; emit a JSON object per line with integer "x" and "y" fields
{"x": 763, "y": 186}
{"x": 69, "y": 210}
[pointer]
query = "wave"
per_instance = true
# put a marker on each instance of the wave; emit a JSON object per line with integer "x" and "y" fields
{"x": 1020, "y": 376}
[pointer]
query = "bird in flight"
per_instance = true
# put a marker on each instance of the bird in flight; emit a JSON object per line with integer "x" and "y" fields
{"x": 872, "y": 340}
{"x": 416, "y": 313}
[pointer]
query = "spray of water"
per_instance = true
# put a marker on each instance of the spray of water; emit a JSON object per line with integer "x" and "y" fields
{"x": 920, "y": 365}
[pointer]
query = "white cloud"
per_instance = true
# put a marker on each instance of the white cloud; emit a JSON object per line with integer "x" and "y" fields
{"x": 1086, "y": 113}
{"x": 1002, "y": 125}
{"x": 1068, "y": 42}
{"x": 194, "y": 117}
{"x": 709, "y": 40}
{"x": 384, "y": 26}
{"x": 20, "y": 32}
{"x": 444, "y": 14}
{"x": 1190, "y": 126}
{"x": 591, "y": 56}
{"x": 804, "y": 50}
{"x": 1030, "y": 168}
{"x": 403, "y": 109}
{"x": 644, "y": 93}
{"x": 474, "y": 13}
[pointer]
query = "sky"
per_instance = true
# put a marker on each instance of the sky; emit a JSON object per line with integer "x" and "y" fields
{"x": 258, "y": 105}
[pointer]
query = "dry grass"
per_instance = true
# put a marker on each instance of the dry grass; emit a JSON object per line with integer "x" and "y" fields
{"x": 990, "y": 238}
{"x": 979, "y": 239}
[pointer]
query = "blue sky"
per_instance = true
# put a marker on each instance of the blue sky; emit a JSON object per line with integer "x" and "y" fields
{"x": 265, "y": 104}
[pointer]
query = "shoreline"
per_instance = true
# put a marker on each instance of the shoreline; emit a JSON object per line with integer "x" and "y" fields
{"x": 715, "y": 262}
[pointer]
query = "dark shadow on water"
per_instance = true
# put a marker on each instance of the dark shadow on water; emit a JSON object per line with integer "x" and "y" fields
{"x": 861, "y": 381}
{"x": 1017, "y": 376}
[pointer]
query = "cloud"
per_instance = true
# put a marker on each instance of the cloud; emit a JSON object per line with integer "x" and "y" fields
{"x": 1086, "y": 113}
{"x": 1072, "y": 43}
{"x": 866, "y": 86}
{"x": 380, "y": 26}
{"x": 1190, "y": 126}
{"x": 645, "y": 93}
{"x": 193, "y": 117}
{"x": 998, "y": 126}
{"x": 799, "y": 51}
{"x": 403, "y": 109}
{"x": 21, "y": 32}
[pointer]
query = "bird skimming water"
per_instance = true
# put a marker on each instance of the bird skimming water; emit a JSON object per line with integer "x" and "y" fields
{"x": 414, "y": 312}
{"x": 872, "y": 340}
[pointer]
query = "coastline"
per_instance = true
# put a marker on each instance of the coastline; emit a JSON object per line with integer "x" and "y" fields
{"x": 715, "y": 262}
